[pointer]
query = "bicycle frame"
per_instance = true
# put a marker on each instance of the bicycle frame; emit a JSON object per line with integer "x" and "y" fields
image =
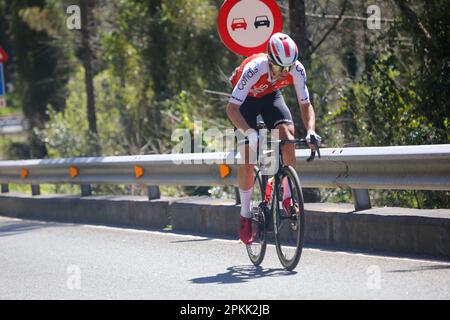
{"x": 280, "y": 143}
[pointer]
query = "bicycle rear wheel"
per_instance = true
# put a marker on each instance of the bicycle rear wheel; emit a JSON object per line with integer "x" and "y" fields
{"x": 289, "y": 227}
{"x": 257, "y": 250}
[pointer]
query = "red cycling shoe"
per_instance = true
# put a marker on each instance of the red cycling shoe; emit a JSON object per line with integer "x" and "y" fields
{"x": 246, "y": 230}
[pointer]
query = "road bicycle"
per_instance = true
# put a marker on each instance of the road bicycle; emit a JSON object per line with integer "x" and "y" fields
{"x": 288, "y": 227}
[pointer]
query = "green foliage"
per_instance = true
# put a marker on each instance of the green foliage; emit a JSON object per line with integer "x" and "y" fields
{"x": 46, "y": 189}
{"x": 8, "y": 111}
{"x": 432, "y": 68}
{"x": 400, "y": 100}
{"x": 13, "y": 147}
{"x": 336, "y": 195}
{"x": 411, "y": 199}
{"x": 66, "y": 134}
{"x": 384, "y": 108}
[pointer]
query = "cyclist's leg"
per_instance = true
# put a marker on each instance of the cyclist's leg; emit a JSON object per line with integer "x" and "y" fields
{"x": 245, "y": 170}
{"x": 245, "y": 183}
{"x": 249, "y": 110}
{"x": 279, "y": 117}
{"x": 287, "y": 132}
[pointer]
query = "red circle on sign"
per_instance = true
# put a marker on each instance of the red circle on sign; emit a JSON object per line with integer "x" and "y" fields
{"x": 3, "y": 55}
{"x": 233, "y": 45}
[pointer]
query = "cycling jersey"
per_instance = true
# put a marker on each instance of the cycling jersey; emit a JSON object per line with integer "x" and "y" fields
{"x": 253, "y": 78}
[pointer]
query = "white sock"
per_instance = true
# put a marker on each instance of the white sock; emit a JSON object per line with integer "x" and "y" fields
{"x": 246, "y": 202}
{"x": 286, "y": 189}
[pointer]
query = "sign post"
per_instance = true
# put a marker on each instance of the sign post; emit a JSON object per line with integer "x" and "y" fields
{"x": 2, "y": 88}
{"x": 3, "y": 58}
{"x": 245, "y": 26}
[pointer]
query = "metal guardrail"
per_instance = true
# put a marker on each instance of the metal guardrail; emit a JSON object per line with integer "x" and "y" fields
{"x": 406, "y": 167}
{"x": 401, "y": 168}
{"x": 13, "y": 124}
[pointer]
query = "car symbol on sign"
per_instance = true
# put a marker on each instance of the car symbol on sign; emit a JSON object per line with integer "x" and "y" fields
{"x": 262, "y": 21}
{"x": 238, "y": 23}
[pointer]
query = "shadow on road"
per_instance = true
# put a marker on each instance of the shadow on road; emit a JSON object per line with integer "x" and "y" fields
{"x": 191, "y": 240}
{"x": 240, "y": 274}
{"x": 422, "y": 268}
{"x": 14, "y": 228}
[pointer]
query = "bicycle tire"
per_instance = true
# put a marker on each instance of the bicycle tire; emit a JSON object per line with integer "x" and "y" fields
{"x": 283, "y": 222}
{"x": 257, "y": 250}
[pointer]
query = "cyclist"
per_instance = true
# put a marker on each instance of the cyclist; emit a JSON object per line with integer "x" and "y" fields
{"x": 257, "y": 83}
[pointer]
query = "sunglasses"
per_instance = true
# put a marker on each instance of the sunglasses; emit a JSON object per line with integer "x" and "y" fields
{"x": 280, "y": 69}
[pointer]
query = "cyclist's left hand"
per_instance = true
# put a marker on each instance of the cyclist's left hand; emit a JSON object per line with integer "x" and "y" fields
{"x": 313, "y": 139}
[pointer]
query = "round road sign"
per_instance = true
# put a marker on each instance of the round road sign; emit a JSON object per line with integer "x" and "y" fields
{"x": 245, "y": 26}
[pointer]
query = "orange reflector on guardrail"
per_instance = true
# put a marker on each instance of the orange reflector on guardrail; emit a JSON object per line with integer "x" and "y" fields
{"x": 73, "y": 172}
{"x": 24, "y": 173}
{"x": 138, "y": 171}
{"x": 224, "y": 171}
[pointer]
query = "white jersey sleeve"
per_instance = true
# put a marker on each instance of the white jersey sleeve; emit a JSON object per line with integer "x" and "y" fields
{"x": 250, "y": 75}
{"x": 299, "y": 76}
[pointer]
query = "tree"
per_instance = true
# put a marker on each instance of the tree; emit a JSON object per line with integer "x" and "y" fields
{"x": 428, "y": 26}
{"x": 299, "y": 32}
{"x": 41, "y": 64}
{"x": 87, "y": 22}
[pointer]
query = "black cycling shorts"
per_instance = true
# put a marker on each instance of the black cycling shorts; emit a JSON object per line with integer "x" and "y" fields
{"x": 271, "y": 107}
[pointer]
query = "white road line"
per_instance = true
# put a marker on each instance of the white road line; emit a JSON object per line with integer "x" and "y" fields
{"x": 236, "y": 241}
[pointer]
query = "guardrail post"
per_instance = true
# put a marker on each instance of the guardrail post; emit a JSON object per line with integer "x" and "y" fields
{"x": 361, "y": 199}
{"x": 153, "y": 193}
{"x": 86, "y": 190}
{"x": 5, "y": 188}
{"x": 35, "y": 190}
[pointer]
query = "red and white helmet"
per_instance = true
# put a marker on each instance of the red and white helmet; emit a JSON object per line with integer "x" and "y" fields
{"x": 282, "y": 50}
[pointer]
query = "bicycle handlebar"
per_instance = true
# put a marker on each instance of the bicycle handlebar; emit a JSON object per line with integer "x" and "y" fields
{"x": 304, "y": 142}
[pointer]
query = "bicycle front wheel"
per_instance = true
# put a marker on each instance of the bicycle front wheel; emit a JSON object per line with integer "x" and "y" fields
{"x": 257, "y": 249}
{"x": 288, "y": 218}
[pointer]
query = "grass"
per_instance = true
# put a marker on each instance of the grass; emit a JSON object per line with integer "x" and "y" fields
{"x": 8, "y": 111}
{"x": 46, "y": 189}
{"x": 97, "y": 190}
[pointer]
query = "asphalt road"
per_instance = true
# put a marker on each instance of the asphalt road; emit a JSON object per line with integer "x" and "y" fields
{"x": 40, "y": 260}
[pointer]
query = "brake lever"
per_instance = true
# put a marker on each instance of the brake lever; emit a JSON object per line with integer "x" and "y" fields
{"x": 311, "y": 157}
{"x": 313, "y": 152}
